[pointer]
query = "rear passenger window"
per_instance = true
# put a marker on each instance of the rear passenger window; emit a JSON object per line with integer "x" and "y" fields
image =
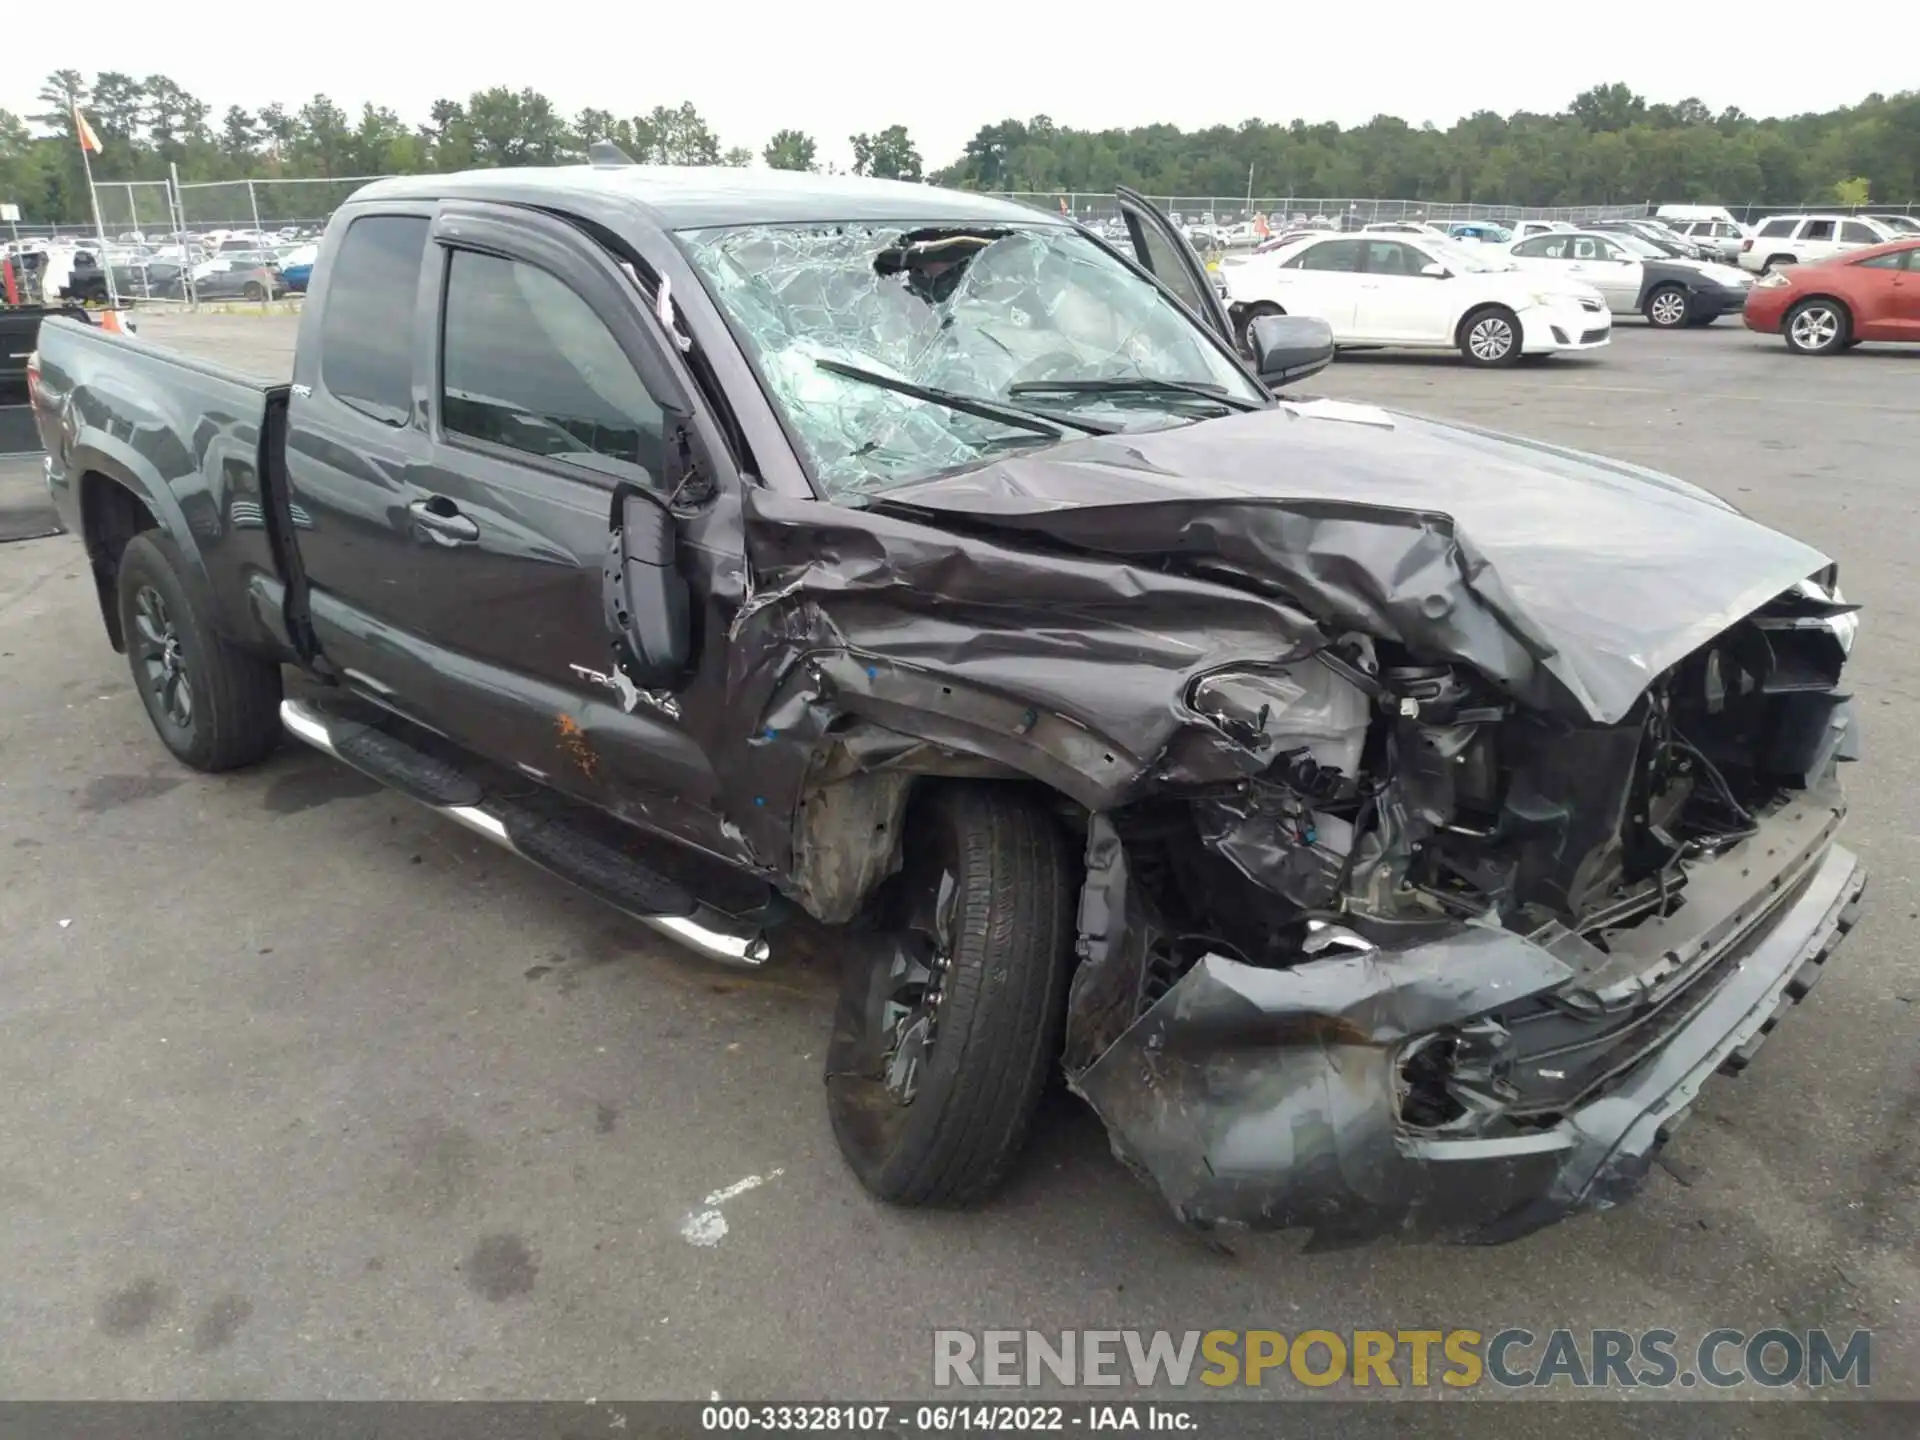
{"x": 1818, "y": 230}
{"x": 366, "y": 338}
{"x": 1330, "y": 255}
{"x": 526, "y": 363}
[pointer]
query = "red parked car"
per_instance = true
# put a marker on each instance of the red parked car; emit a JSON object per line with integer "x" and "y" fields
{"x": 1867, "y": 294}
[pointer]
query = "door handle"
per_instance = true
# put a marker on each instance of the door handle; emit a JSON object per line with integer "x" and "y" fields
{"x": 440, "y": 520}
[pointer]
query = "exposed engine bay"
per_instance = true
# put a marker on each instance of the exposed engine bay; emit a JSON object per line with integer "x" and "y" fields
{"x": 1404, "y": 796}
{"x": 1409, "y": 813}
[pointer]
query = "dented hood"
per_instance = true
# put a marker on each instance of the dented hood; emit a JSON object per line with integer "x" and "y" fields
{"x": 1570, "y": 580}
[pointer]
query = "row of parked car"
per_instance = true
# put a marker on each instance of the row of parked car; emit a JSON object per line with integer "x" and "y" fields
{"x": 1547, "y": 287}
{"x": 222, "y": 265}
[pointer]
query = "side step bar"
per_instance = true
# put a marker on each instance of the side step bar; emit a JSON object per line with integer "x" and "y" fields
{"x": 598, "y": 868}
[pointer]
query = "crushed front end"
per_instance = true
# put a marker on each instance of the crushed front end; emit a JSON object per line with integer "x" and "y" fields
{"x": 1449, "y": 965}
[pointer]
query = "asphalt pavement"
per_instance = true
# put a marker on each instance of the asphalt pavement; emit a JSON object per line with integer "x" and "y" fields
{"x": 309, "y": 1094}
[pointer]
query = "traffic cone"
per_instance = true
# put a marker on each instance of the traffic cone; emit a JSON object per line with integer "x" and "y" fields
{"x": 110, "y": 322}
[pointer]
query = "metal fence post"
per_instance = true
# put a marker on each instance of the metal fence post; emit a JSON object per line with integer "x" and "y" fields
{"x": 253, "y": 204}
{"x": 188, "y": 292}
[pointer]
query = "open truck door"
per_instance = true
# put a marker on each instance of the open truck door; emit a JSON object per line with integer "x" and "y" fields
{"x": 1160, "y": 248}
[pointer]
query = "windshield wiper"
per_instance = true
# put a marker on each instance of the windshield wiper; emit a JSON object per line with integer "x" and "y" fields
{"x": 1136, "y": 385}
{"x": 1041, "y": 422}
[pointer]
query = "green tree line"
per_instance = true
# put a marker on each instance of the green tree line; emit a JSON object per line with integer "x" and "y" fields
{"x": 1608, "y": 146}
{"x": 149, "y": 127}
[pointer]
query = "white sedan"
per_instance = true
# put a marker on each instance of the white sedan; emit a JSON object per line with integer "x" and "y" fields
{"x": 1411, "y": 291}
{"x": 1636, "y": 277}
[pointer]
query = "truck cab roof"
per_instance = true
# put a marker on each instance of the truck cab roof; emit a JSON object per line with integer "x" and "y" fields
{"x": 694, "y": 197}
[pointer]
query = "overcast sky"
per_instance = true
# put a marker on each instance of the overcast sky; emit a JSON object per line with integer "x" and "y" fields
{"x": 831, "y": 67}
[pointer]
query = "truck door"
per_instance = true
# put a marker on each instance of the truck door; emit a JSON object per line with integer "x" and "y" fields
{"x": 457, "y": 552}
{"x": 1161, "y": 249}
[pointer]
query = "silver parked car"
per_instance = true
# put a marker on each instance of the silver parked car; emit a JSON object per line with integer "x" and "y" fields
{"x": 1721, "y": 237}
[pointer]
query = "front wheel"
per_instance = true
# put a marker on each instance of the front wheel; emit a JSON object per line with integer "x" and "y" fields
{"x": 1252, "y": 313}
{"x": 950, "y": 1010}
{"x": 1666, "y": 307}
{"x": 1490, "y": 336}
{"x": 1817, "y": 327}
{"x": 216, "y": 707}
{"x": 254, "y": 291}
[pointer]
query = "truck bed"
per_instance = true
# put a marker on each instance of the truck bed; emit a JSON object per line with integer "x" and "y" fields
{"x": 198, "y": 444}
{"x": 260, "y": 346}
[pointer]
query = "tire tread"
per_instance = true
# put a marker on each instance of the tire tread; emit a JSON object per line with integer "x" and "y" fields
{"x": 236, "y": 694}
{"x": 1007, "y": 1007}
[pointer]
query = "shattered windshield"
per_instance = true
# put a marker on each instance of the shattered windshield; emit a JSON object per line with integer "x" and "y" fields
{"x": 899, "y": 352}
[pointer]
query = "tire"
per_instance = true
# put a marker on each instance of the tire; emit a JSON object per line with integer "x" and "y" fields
{"x": 986, "y": 895}
{"x": 1479, "y": 336}
{"x": 1666, "y": 307}
{"x": 253, "y": 291}
{"x": 230, "y": 715}
{"x": 1817, "y": 326}
{"x": 1252, "y": 313}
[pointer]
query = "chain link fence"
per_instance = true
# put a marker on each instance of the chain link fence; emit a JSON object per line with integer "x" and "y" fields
{"x": 268, "y": 206}
{"x": 1353, "y": 212}
{"x": 152, "y": 224}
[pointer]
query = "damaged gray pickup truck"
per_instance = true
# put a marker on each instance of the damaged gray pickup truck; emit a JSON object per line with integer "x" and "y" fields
{"x": 1389, "y": 826}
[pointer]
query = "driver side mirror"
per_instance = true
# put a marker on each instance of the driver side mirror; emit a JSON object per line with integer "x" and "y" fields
{"x": 1289, "y": 348}
{"x": 1434, "y": 270}
{"x": 646, "y": 597}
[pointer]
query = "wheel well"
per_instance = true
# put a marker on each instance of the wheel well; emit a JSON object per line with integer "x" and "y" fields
{"x": 848, "y": 834}
{"x": 1846, "y": 311}
{"x": 1460, "y": 330}
{"x": 1776, "y": 259}
{"x": 110, "y": 516}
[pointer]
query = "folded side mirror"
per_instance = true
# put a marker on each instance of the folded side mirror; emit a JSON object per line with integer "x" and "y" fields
{"x": 647, "y": 605}
{"x": 1289, "y": 348}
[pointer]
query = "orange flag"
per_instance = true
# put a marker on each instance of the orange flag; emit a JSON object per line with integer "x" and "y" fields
{"x": 89, "y": 141}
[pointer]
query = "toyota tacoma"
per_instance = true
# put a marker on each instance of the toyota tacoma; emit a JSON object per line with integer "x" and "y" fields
{"x": 1388, "y": 826}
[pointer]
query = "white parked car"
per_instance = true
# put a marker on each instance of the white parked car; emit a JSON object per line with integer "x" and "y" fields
{"x": 1798, "y": 239}
{"x": 1723, "y": 237}
{"x": 1523, "y": 228}
{"x": 1637, "y": 277}
{"x": 1404, "y": 227}
{"x": 1405, "y": 290}
{"x": 1903, "y": 226}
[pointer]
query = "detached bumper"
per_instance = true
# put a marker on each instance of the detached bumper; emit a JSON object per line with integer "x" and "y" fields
{"x": 1273, "y": 1099}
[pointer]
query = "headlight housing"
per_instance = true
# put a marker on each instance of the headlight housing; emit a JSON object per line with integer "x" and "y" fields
{"x": 1772, "y": 280}
{"x": 1844, "y": 627}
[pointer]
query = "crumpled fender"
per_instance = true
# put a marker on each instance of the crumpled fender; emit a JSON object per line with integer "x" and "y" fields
{"x": 1268, "y": 1098}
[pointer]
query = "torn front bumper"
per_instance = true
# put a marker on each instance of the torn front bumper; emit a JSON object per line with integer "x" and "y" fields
{"x": 1273, "y": 1098}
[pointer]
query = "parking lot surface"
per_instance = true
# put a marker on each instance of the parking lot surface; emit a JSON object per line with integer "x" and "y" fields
{"x": 309, "y": 1094}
